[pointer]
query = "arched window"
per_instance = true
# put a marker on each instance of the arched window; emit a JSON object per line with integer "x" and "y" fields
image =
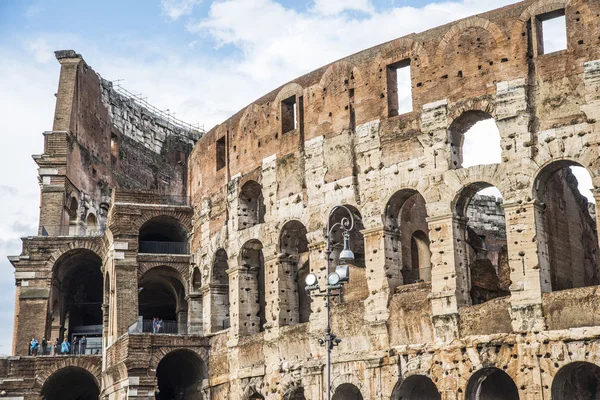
{"x": 179, "y": 375}
{"x": 406, "y": 219}
{"x": 196, "y": 280}
{"x": 416, "y": 387}
{"x": 577, "y": 381}
{"x": 71, "y": 383}
{"x": 293, "y": 246}
{"x": 252, "y": 290}
{"x": 163, "y": 235}
{"x": 474, "y": 140}
{"x": 251, "y": 208}
{"x": 74, "y": 228}
{"x": 347, "y": 391}
{"x": 483, "y": 237}
{"x": 491, "y": 383}
{"x": 220, "y": 292}
{"x": 161, "y": 295}
{"x": 77, "y": 289}
{"x": 91, "y": 225}
{"x": 295, "y": 394}
{"x": 567, "y": 229}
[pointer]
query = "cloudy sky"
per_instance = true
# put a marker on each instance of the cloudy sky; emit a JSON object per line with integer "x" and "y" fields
{"x": 202, "y": 59}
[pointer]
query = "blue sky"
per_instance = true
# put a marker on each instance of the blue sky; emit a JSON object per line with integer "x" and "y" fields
{"x": 204, "y": 60}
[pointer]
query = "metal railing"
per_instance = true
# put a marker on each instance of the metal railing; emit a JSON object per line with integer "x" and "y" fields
{"x": 70, "y": 230}
{"x": 91, "y": 348}
{"x": 166, "y": 328}
{"x": 151, "y": 247}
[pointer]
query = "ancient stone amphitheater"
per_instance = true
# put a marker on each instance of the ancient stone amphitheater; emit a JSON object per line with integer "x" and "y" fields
{"x": 454, "y": 294}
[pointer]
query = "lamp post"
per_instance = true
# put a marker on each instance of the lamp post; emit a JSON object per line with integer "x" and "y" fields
{"x": 335, "y": 280}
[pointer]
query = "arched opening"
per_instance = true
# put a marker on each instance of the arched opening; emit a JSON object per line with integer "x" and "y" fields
{"x": 252, "y": 289}
{"x": 293, "y": 247}
{"x": 73, "y": 213}
{"x": 179, "y": 375}
{"x": 77, "y": 294}
{"x": 407, "y": 244}
{"x": 482, "y": 234}
{"x": 196, "y": 280}
{"x": 220, "y": 292}
{"x": 256, "y": 396}
{"x": 296, "y": 394}
{"x": 567, "y": 232}
{"x": 161, "y": 297}
{"x": 347, "y": 391}
{"x": 91, "y": 225}
{"x": 163, "y": 235}
{"x": 251, "y": 208}
{"x": 416, "y": 387}
{"x": 71, "y": 383}
{"x": 491, "y": 384}
{"x": 474, "y": 140}
{"x": 577, "y": 381}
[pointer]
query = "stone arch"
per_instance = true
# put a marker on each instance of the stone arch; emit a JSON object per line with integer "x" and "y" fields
{"x": 92, "y": 365}
{"x": 577, "y": 381}
{"x": 416, "y": 387}
{"x": 71, "y": 383}
{"x": 404, "y": 48}
{"x": 472, "y": 22}
{"x": 460, "y": 127}
{"x": 542, "y": 7}
{"x": 567, "y": 232}
{"x": 163, "y": 234}
{"x": 491, "y": 383}
{"x": 287, "y": 91}
{"x": 95, "y": 246}
{"x": 180, "y": 373}
{"x": 251, "y": 207}
{"x": 161, "y": 352}
{"x": 180, "y": 268}
{"x": 182, "y": 217}
{"x": 348, "y": 379}
{"x": 482, "y": 248}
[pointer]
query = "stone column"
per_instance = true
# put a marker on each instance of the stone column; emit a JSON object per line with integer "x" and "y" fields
{"x": 194, "y": 312}
{"x": 244, "y": 304}
{"x": 284, "y": 291}
{"x": 449, "y": 276}
{"x": 383, "y": 257}
{"x": 318, "y": 266}
{"x": 529, "y": 263}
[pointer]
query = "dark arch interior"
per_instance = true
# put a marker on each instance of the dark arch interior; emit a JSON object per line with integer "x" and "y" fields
{"x": 179, "y": 376}
{"x": 77, "y": 296}
{"x": 347, "y": 391}
{"x": 71, "y": 383}
{"x": 251, "y": 209}
{"x": 416, "y": 387}
{"x": 491, "y": 384}
{"x": 293, "y": 246}
{"x": 162, "y": 295}
{"x": 577, "y": 381}
{"x": 296, "y": 394}
{"x": 163, "y": 235}
{"x": 570, "y": 229}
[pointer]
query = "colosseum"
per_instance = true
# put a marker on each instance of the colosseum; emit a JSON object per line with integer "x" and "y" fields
{"x": 182, "y": 255}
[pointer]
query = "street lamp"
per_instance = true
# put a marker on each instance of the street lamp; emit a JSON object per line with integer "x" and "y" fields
{"x": 335, "y": 280}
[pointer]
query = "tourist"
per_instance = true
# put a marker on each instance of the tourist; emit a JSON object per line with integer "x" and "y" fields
{"x": 44, "y": 346}
{"x": 159, "y": 326}
{"x": 34, "y": 346}
{"x": 154, "y": 323}
{"x": 75, "y": 345}
{"x": 56, "y": 347}
{"x": 65, "y": 347}
{"x": 82, "y": 345}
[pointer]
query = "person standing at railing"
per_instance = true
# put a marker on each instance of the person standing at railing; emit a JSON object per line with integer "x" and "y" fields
{"x": 65, "y": 347}
{"x": 44, "y": 346}
{"x": 154, "y": 324}
{"x": 56, "y": 347}
{"x": 159, "y": 326}
{"x": 34, "y": 346}
{"x": 75, "y": 345}
{"x": 82, "y": 345}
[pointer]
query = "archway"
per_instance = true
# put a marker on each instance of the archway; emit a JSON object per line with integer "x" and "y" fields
{"x": 566, "y": 227}
{"x": 161, "y": 294}
{"x": 577, "y": 381}
{"x": 483, "y": 239}
{"x": 293, "y": 247}
{"x": 252, "y": 289}
{"x": 474, "y": 140}
{"x": 416, "y": 387}
{"x": 220, "y": 292}
{"x": 71, "y": 383}
{"x": 163, "y": 235}
{"x": 179, "y": 375}
{"x": 347, "y": 391}
{"x": 406, "y": 220}
{"x": 73, "y": 217}
{"x": 91, "y": 225}
{"x": 251, "y": 208}
{"x": 491, "y": 384}
{"x": 77, "y": 295}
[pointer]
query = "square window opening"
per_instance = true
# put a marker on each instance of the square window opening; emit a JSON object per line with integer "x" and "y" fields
{"x": 551, "y": 32}
{"x": 289, "y": 114}
{"x": 399, "y": 88}
{"x": 221, "y": 153}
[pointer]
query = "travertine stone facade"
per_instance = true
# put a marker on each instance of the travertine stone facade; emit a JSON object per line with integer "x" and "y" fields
{"x": 451, "y": 295}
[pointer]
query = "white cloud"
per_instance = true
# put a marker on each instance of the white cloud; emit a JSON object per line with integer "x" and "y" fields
{"x": 175, "y": 9}
{"x": 332, "y": 7}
